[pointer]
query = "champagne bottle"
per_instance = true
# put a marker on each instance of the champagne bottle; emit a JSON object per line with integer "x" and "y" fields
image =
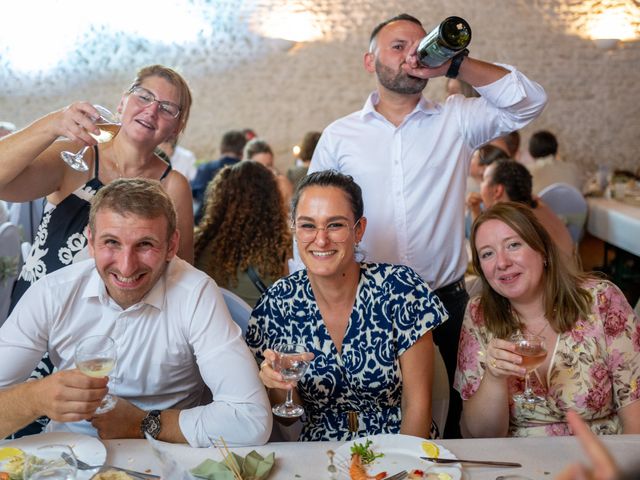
{"x": 444, "y": 42}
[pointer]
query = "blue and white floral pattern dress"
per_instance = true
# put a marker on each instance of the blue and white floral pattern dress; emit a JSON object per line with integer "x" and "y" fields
{"x": 393, "y": 309}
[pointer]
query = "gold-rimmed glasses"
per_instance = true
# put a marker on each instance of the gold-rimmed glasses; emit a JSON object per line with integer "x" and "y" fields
{"x": 145, "y": 98}
{"x": 337, "y": 231}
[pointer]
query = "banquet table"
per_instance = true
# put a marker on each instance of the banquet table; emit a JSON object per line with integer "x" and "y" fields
{"x": 541, "y": 458}
{"x": 615, "y": 222}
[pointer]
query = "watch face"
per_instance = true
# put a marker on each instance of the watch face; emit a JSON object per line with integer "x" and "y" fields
{"x": 151, "y": 424}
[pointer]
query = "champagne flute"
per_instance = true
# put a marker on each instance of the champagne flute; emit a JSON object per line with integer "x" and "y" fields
{"x": 50, "y": 462}
{"x": 533, "y": 352}
{"x": 109, "y": 126}
{"x": 96, "y": 356}
{"x": 291, "y": 361}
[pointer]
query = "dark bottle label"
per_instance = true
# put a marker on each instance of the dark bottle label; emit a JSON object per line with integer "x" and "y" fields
{"x": 444, "y": 42}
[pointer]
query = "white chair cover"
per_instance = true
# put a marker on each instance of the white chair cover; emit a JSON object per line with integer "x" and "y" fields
{"x": 569, "y": 204}
{"x": 9, "y": 265}
{"x": 239, "y": 309}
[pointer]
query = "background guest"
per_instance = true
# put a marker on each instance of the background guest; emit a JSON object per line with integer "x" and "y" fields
{"x": 231, "y": 147}
{"x": 591, "y": 335}
{"x": 547, "y": 168}
{"x": 507, "y": 180}
{"x": 244, "y": 227}
{"x": 368, "y": 325}
{"x": 260, "y": 151}
{"x": 307, "y": 147}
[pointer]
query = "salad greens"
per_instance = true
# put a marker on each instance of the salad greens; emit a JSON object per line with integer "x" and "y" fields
{"x": 366, "y": 454}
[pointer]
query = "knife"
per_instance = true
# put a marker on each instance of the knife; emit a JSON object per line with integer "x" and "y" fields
{"x": 477, "y": 462}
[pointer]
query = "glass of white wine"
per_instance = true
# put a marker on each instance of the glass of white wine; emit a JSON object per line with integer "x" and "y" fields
{"x": 109, "y": 126}
{"x": 533, "y": 352}
{"x": 50, "y": 462}
{"x": 96, "y": 356}
{"x": 291, "y": 362}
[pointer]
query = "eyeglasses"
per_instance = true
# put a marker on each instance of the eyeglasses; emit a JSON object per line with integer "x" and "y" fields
{"x": 145, "y": 98}
{"x": 337, "y": 232}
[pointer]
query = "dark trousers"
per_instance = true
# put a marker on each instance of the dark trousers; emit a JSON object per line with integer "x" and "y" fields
{"x": 454, "y": 298}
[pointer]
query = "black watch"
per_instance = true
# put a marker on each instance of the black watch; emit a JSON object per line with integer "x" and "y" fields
{"x": 456, "y": 61}
{"x": 151, "y": 424}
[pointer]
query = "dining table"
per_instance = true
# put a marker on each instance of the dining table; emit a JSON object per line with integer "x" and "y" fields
{"x": 616, "y": 222}
{"x": 541, "y": 457}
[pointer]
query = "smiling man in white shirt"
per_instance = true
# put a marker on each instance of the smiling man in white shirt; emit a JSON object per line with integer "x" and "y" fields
{"x": 411, "y": 156}
{"x": 176, "y": 343}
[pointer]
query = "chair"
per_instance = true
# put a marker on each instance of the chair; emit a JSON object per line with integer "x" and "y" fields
{"x": 239, "y": 309}
{"x": 439, "y": 391}
{"x": 9, "y": 265}
{"x": 569, "y": 204}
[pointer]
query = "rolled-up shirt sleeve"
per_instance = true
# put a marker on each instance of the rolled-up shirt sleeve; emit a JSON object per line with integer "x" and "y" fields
{"x": 240, "y": 411}
{"x": 506, "y": 105}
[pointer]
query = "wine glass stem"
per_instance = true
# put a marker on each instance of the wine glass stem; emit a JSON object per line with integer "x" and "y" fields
{"x": 82, "y": 152}
{"x": 289, "y": 401}
{"x": 527, "y": 385}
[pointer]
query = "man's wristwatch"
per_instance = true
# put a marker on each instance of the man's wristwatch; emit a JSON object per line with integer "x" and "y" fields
{"x": 456, "y": 61}
{"x": 151, "y": 424}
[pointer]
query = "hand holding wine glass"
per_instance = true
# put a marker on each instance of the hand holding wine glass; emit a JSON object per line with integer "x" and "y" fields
{"x": 108, "y": 124}
{"x": 533, "y": 351}
{"x": 291, "y": 361}
{"x": 96, "y": 356}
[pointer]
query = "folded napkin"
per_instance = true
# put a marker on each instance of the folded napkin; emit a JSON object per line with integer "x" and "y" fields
{"x": 252, "y": 467}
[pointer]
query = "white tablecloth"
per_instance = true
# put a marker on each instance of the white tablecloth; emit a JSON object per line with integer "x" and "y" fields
{"x": 615, "y": 222}
{"x": 542, "y": 458}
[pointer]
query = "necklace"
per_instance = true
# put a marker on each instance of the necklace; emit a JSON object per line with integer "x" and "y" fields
{"x": 541, "y": 330}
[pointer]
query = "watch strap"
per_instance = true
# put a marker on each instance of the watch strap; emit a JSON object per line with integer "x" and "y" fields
{"x": 454, "y": 66}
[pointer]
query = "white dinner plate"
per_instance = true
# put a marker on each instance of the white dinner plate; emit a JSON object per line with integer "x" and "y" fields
{"x": 88, "y": 449}
{"x": 401, "y": 452}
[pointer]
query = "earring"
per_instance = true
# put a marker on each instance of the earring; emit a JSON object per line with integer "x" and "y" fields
{"x": 545, "y": 263}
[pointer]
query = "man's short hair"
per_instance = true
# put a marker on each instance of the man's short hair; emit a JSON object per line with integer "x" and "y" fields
{"x": 543, "y": 144}
{"x": 142, "y": 197}
{"x": 380, "y": 26}
{"x": 233, "y": 142}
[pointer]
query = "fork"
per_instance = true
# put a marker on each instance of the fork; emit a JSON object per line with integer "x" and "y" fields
{"x": 85, "y": 466}
{"x": 398, "y": 476}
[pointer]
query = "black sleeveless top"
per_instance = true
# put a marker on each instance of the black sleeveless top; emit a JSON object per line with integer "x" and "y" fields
{"x": 60, "y": 235}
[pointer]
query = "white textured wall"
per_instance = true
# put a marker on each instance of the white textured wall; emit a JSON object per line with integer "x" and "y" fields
{"x": 241, "y": 80}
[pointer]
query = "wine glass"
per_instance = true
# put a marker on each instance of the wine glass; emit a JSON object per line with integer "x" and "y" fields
{"x": 109, "y": 126}
{"x": 50, "y": 462}
{"x": 533, "y": 352}
{"x": 291, "y": 362}
{"x": 96, "y": 356}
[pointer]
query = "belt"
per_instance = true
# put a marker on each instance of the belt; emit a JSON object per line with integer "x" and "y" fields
{"x": 455, "y": 287}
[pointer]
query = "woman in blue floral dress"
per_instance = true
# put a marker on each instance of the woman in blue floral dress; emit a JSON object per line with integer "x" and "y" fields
{"x": 368, "y": 325}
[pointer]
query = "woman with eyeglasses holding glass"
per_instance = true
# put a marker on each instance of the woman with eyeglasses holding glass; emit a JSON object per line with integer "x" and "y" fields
{"x": 154, "y": 108}
{"x": 368, "y": 325}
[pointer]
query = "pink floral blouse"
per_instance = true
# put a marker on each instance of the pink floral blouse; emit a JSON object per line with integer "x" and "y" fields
{"x": 595, "y": 368}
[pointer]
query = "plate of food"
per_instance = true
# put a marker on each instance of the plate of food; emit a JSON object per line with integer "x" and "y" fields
{"x": 88, "y": 449}
{"x": 378, "y": 456}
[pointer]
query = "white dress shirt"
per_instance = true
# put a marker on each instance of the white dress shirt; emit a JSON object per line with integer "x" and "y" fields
{"x": 173, "y": 344}
{"x": 413, "y": 177}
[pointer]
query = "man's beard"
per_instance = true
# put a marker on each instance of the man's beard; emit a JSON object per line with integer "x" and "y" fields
{"x": 399, "y": 82}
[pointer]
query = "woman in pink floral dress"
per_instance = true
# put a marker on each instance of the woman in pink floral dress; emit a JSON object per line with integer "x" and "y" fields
{"x": 591, "y": 334}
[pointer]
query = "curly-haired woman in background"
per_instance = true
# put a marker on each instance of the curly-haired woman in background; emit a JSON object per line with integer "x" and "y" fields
{"x": 244, "y": 230}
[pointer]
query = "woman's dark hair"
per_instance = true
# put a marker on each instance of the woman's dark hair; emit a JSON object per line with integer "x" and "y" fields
{"x": 244, "y": 224}
{"x": 490, "y": 153}
{"x": 542, "y": 144}
{"x": 516, "y": 180}
{"x": 331, "y": 178}
{"x": 308, "y": 145}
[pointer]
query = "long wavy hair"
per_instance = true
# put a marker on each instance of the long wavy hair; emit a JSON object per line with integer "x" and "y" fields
{"x": 244, "y": 224}
{"x": 565, "y": 300}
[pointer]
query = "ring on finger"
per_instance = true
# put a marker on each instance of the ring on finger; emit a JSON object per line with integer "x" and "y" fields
{"x": 263, "y": 364}
{"x": 492, "y": 362}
